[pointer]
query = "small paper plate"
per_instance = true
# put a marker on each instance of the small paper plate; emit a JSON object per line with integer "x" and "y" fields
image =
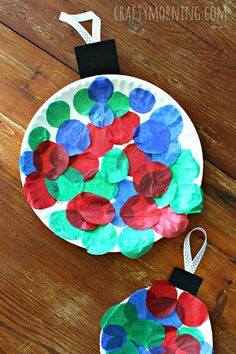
{"x": 169, "y": 328}
{"x": 188, "y": 138}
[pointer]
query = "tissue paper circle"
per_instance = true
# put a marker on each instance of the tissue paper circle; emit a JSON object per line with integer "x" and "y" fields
{"x": 57, "y": 113}
{"x": 51, "y": 159}
{"x": 112, "y": 163}
{"x": 74, "y": 136}
{"x": 121, "y": 131}
{"x": 66, "y": 186}
{"x": 151, "y": 321}
{"x": 37, "y": 136}
{"x": 140, "y": 213}
{"x": 99, "y": 142}
{"x": 152, "y": 179}
{"x": 85, "y": 163}
{"x": 36, "y": 193}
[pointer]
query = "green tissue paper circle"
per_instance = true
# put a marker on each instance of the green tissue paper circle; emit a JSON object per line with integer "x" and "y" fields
{"x": 100, "y": 240}
{"x": 57, "y": 113}
{"x": 104, "y": 320}
{"x": 119, "y": 314}
{"x": 147, "y": 333}
{"x": 119, "y": 104}
{"x": 66, "y": 186}
{"x": 36, "y": 136}
{"x": 99, "y": 186}
{"x": 135, "y": 243}
{"x": 192, "y": 331}
{"x": 115, "y": 166}
{"x": 61, "y": 227}
{"x": 82, "y": 102}
{"x": 188, "y": 199}
{"x": 186, "y": 168}
{"x": 166, "y": 198}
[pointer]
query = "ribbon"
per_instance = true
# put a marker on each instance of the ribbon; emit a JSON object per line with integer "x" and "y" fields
{"x": 190, "y": 265}
{"x": 74, "y": 21}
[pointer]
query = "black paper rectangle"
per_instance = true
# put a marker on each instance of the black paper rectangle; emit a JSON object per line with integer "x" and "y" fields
{"x": 97, "y": 58}
{"x": 184, "y": 280}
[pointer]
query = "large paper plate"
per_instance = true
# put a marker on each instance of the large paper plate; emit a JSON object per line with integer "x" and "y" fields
{"x": 112, "y": 163}
{"x": 160, "y": 319}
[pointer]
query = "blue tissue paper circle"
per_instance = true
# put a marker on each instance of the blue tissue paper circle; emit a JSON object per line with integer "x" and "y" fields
{"x": 139, "y": 300}
{"x": 176, "y": 128}
{"x": 101, "y": 115}
{"x": 167, "y": 114}
{"x": 170, "y": 320}
{"x": 26, "y": 163}
{"x": 117, "y": 221}
{"x": 74, "y": 136}
{"x": 141, "y": 101}
{"x": 142, "y": 350}
{"x": 168, "y": 157}
{"x": 157, "y": 350}
{"x": 152, "y": 137}
{"x": 206, "y": 348}
{"x": 101, "y": 89}
{"x": 113, "y": 338}
{"x": 126, "y": 190}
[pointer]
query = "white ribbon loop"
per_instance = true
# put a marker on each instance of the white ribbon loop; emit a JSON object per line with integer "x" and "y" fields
{"x": 190, "y": 265}
{"x": 74, "y": 21}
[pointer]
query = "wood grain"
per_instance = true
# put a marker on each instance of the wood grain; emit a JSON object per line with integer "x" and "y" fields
{"x": 212, "y": 21}
{"x": 166, "y": 53}
{"x": 51, "y": 292}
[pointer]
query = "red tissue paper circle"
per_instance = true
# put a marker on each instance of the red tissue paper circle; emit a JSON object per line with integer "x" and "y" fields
{"x": 51, "y": 159}
{"x": 140, "y": 213}
{"x": 96, "y": 209}
{"x": 99, "y": 143}
{"x": 74, "y": 216}
{"x": 170, "y": 334}
{"x": 136, "y": 158}
{"x": 161, "y": 299}
{"x": 86, "y": 211}
{"x": 121, "y": 130}
{"x": 152, "y": 179}
{"x": 170, "y": 223}
{"x": 186, "y": 344}
{"x": 191, "y": 311}
{"x": 85, "y": 163}
{"x": 36, "y": 193}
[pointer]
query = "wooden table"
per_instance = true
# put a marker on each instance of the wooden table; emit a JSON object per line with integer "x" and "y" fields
{"x": 52, "y": 294}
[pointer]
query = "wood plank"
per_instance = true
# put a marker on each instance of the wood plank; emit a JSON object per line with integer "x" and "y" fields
{"x": 29, "y": 77}
{"x": 51, "y": 296}
{"x": 201, "y": 77}
{"x": 212, "y": 21}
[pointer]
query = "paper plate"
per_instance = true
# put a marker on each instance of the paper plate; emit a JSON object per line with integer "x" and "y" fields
{"x": 156, "y": 324}
{"x": 111, "y": 113}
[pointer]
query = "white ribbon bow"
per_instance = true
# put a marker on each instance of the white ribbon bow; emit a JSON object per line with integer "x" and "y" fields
{"x": 74, "y": 21}
{"x": 190, "y": 265}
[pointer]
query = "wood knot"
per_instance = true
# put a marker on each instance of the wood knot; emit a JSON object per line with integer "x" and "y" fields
{"x": 219, "y": 307}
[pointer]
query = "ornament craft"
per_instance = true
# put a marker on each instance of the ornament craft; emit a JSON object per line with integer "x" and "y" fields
{"x": 112, "y": 163}
{"x": 166, "y": 318}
